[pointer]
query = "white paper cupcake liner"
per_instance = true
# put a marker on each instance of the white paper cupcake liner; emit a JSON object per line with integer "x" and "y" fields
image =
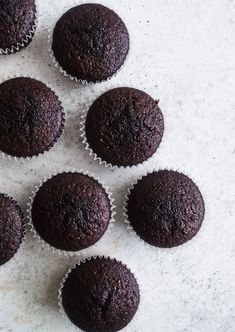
{"x": 54, "y": 250}
{"x": 60, "y": 302}
{"x": 129, "y": 190}
{"x": 74, "y": 78}
{"x": 24, "y": 224}
{"x": 26, "y": 40}
{"x": 57, "y": 139}
{"x": 88, "y": 148}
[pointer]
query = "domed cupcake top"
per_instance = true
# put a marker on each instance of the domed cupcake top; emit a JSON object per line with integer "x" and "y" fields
{"x": 124, "y": 126}
{"x": 100, "y": 295}
{"x": 17, "y": 24}
{"x": 165, "y": 208}
{"x": 11, "y": 228}
{"x": 90, "y": 42}
{"x": 31, "y": 117}
{"x": 71, "y": 211}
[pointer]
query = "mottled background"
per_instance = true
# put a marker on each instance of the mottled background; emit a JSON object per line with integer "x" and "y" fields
{"x": 182, "y": 52}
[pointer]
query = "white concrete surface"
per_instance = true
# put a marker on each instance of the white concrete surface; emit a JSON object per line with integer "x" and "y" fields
{"x": 182, "y": 52}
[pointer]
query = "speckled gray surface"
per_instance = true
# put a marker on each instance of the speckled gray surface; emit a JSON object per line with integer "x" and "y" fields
{"x": 182, "y": 52}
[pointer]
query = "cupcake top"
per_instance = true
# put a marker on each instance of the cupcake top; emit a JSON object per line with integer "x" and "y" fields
{"x": 100, "y": 295}
{"x": 11, "y": 228}
{"x": 71, "y": 211}
{"x": 17, "y": 19}
{"x": 165, "y": 208}
{"x": 124, "y": 126}
{"x": 31, "y": 117}
{"x": 90, "y": 42}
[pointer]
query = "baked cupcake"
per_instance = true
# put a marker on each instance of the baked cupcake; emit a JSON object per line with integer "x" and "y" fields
{"x": 11, "y": 228}
{"x": 71, "y": 211}
{"x": 165, "y": 209}
{"x": 100, "y": 295}
{"x": 124, "y": 127}
{"x": 17, "y": 24}
{"x": 31, "y": 117}
{"x": 90, "y": 42}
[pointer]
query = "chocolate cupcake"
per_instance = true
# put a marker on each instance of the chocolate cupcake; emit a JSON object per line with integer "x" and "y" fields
{"x": 11, "y": 228}
{"x": 123, "y": 127}
{"x": 17, "y": 24}
{"x": 31, "y": 117}
{"x": 90, "y": 43}
{"x": 165, "y": 209}
{"x": 100, "y": 294}
{"x": 71, "y": 211}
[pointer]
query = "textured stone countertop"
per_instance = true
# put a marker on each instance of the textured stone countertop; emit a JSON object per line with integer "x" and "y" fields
{"x": 182, "y": 52}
